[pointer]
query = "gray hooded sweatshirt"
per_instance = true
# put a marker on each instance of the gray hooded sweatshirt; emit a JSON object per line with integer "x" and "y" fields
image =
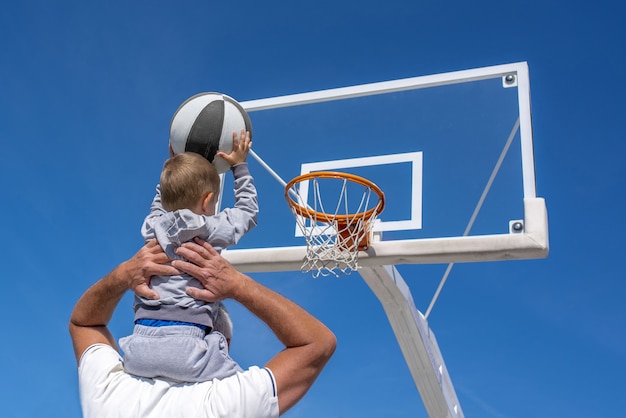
{"x": 171, "y": 229}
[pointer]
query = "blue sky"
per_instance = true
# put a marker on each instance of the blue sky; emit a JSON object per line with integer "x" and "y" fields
{"x": 88, "y": 90}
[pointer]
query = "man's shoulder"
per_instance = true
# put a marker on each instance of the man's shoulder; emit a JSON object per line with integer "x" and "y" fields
{"x": 97, "y": 348}
{"x": 101, "y": 357}
{"x": 106, "y": 390}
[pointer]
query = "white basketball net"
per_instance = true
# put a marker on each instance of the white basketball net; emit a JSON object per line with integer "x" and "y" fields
{"x": 333, "y": 236}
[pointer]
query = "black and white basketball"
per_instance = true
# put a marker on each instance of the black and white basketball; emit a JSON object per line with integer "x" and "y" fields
{"x": 205, "y": 123}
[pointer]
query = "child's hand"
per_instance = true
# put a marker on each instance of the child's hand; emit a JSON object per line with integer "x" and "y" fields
{"x": 241, "y": 146}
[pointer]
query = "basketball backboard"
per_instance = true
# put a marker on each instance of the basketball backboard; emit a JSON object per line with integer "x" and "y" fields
{"x": 452, "y": 152}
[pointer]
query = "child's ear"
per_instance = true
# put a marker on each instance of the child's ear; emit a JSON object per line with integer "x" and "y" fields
{"x": 208, "y": 202}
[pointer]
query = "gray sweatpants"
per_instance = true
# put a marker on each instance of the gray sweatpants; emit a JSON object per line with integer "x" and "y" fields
{"x": 178, "y": 352}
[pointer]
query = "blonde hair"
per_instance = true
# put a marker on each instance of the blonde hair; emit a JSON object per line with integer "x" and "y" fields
{"x": 185, "y": 178}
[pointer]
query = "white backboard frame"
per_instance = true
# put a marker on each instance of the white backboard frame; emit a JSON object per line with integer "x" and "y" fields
{"x": 530, "y": 241}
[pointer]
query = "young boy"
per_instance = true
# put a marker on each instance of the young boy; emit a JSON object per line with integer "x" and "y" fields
{"x": 176, "y": 336}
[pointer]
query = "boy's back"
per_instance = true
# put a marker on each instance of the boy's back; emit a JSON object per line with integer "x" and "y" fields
{"x": 169, "y": 327}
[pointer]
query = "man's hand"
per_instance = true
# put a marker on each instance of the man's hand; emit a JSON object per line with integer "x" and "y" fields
{"x": 241, "y": 147}
{"x": 219, "y": 278}
{"x": 93, "y": 311}
{"x": 308, "y": 343}
{"x": 150, "y": 261}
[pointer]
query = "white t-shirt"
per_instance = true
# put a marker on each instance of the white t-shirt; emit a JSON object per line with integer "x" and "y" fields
{"x": 107, "y": 391}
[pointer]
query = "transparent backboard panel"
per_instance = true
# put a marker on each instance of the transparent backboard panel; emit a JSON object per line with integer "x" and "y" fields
{"x": 473, "y": 174}
{"x": 460, "y": 131}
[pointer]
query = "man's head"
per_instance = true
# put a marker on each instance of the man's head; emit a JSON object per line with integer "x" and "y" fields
{"x": 189, "y": 181}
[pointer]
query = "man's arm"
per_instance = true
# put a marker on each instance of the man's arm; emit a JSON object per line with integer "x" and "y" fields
{"x": 93, "y": 311}
{"x": 309, "y": 344}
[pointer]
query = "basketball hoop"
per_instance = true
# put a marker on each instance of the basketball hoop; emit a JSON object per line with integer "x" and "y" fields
{"x": 335, "y": 236}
